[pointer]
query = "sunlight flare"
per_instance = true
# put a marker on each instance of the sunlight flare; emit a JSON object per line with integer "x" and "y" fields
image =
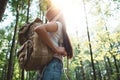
{"x": 73, "y": 14}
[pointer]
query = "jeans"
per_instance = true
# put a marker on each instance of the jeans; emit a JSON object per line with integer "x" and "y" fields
{"x": 53, "y": 71}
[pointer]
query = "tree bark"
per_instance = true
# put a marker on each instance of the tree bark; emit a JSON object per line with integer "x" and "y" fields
{"x": 110, "y": 67}
{"x": 3, "y": 4}
{"x": 12, "y": 51}
{"x": 90, "y": 46}
{"x": 28, "y": 11}
{"x": 116, "y": 66}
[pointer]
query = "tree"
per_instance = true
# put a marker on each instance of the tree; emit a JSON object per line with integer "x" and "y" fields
{"x": 13, "y": 47}
{"x": 3, "y": 4}
{"x": 90, "y": 46}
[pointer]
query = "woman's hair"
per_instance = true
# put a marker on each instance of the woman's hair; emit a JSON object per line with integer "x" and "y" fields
{"x": 66, "y": 40}
{"x": 55, "y": 14}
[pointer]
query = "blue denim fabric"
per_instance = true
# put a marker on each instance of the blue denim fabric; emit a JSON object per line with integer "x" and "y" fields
{"x": 53, "y": 71}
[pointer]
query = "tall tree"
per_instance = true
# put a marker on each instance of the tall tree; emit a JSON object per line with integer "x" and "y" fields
{"x": 3, "y": 4}
{"x": 12, "y": 50}
{"x": 104, "y": 16}
{"x": 90, "y": 46}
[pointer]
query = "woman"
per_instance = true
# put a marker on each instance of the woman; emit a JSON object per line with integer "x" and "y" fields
{"x": 54, "y": 35}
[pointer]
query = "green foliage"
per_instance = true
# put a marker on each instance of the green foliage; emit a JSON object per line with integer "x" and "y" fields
{"x": 105, "y": 43}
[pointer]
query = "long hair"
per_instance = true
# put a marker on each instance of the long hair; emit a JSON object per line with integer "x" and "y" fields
{"x": 66, "y": 40}
{"x": 55, "y": 14}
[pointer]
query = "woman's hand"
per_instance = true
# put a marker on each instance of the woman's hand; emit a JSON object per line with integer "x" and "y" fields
{"x": 61, "y": 51}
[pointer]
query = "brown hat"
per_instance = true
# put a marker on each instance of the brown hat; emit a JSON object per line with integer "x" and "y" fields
{"x": 52, "y": 12}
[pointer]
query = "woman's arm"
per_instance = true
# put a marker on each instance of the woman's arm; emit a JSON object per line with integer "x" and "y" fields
{"x": 42, "y": 32}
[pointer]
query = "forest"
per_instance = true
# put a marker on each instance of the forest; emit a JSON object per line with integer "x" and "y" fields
{"x": 93, "y": 27}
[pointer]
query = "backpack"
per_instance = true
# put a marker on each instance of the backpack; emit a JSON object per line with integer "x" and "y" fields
{"x": 33, "y": 54}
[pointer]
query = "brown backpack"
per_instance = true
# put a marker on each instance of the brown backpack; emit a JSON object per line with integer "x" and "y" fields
{"x": 33, "y": 54}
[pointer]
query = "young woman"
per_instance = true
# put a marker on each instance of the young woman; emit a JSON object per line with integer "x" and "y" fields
{"x": 54, "y": 35}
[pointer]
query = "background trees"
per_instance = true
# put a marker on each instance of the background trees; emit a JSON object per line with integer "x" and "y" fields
{"x": 104, "y": 34}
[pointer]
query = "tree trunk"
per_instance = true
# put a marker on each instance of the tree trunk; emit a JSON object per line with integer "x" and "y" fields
{"x": 22, "y": 77}
{"x": 28, "y": 11}
{"x": 90, "y": 46}
{"x": 117, "y": 69}
{"x": 110, "y": 67}
{"x": 3, "y": 4}
{"x": 12, "y": 51}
